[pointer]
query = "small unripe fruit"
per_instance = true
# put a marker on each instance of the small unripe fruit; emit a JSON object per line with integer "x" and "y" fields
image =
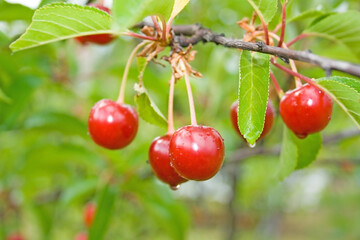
{"x": 196, "y": 152}
{"x": 159, "y": 160}
{"x": 15, "y": 236}
{"x": 306, "y": 110}
{"x": 112, "y": 125}
{"x": 269, "y": 119}
{"x": 89, "y": 214}
{"x": 81, "y": 236}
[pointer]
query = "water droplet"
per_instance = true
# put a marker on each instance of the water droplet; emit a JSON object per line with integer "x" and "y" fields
{"x": 301, "y": 136}
{"x": 252, "y": 145}
{"x": 174, "y": 188}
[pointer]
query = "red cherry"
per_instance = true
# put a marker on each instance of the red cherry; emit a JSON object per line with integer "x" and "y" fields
{"x": 306, "y": 110}
{"x": 269, "y": 119}
{"x": 160, "y": 162}
{"x": 89, "y": 214}
{"x": 15, "y": 236}
{"x": 112, "y": 125}
{"x": 81, "y": 236}
{"x": 197, "y": 152}
{"x": 97, "y": 38}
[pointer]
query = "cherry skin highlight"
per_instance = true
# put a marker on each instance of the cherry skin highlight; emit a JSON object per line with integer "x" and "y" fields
{"x": 269, "y": 119}
{"x": 89, "y": 214}
{"x": 306, "y": 110}
{"x": 112, "y": 125}
{"x": 101, "y": 39}
{"x": 197, "y": 152}
{"x": 160, "y": 162}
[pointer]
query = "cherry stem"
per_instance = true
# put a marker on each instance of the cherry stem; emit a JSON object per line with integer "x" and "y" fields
{"x": 296, "y": 74}
{"x": 156, "y": 25}
{"x": 301, "y": 36}
{"x": 135, "y": 35}
{"x": 164, "y": 28}
{"x": 190, "y": 96}
{"x": 266, "y": 31}
{"x": 171, "y": 128}
{"x": 278, "y": 89}
{"x": 277, "y": 28}
{"x": 126, "y": 72}
{"x": 283, "y": 25}
{"x": 292, "y": 62}
{"x": 253, "y": 18}
{"x": 168, "y": 27}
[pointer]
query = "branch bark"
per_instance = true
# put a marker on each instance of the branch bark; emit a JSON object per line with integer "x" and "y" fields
{"x": 245, "y": 153}
{"x": 193, "y": 34}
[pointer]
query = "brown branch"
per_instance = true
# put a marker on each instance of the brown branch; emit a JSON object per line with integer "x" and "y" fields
{"x": 193, "y": 34}
{"x": 245, "y": 153}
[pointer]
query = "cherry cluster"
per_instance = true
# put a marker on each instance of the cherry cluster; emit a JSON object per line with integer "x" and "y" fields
{"x": 195, "y": 152}
{"x": 191, "y": 153}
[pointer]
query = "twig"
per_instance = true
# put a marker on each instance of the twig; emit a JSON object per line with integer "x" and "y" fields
{"x": 193, "y": 34}
{"x": 245, "y": 153}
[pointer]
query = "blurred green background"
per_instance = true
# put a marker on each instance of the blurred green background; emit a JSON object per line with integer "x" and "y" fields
{"x": 50, "y": 168}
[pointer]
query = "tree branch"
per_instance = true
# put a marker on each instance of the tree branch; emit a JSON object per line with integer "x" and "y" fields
{"x": 193, "y": 34}
{"x": 245, "y": 153}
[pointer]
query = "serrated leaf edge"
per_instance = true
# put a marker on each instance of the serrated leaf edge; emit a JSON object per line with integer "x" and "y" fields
{"x": 63, "y": 5}
{"x": 338, "y": 102}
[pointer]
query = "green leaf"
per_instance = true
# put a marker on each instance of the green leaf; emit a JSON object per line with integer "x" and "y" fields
{"x": 345, "y": 92}
{"x": 12, "y": 12}
{"x": 59, "y": 21}
{"x": 350, "y": 82}
{"x": 147, "y": 108}
{"x": 45, "y": 2}
{"x": 179, "y": 5}
{"x": 127, "y": 13}
{"x": 78, "y": 189}
{"x": 253, "y": 94}
{"x": 61, "y": 155}
{"x": 104, "y": 212}
{"x": 265, "y": 9}
{"x": 163, "y": 208}
{"x": 308, "y": 149}
{"x": 288, "y": 156}
{"x": 343, "y": 28}
{"x": 297, "y": 153}
{"x": 4, "y": 98}
{"x": 60, "y": 122}
{"x": 22, "y": 90}
{"x": 141, "y": 64}
{"x": 305, "y": 15}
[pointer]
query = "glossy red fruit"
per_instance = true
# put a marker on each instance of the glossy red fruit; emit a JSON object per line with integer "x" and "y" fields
{"x": 15, "y": 236}
{"x": 112, "y": 125}
{"x": 269, "y": 119}
{"x": 81, "y": 236}
{"x": 306, "y": 110}
{"x": 89, "y": 214}
{"x": 101, "y": 39}
{"x": 160, "y": 162}
{"x": 197, "y": 152}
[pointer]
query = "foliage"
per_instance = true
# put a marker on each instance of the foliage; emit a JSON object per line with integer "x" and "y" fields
{"x": 49, "y": 168}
